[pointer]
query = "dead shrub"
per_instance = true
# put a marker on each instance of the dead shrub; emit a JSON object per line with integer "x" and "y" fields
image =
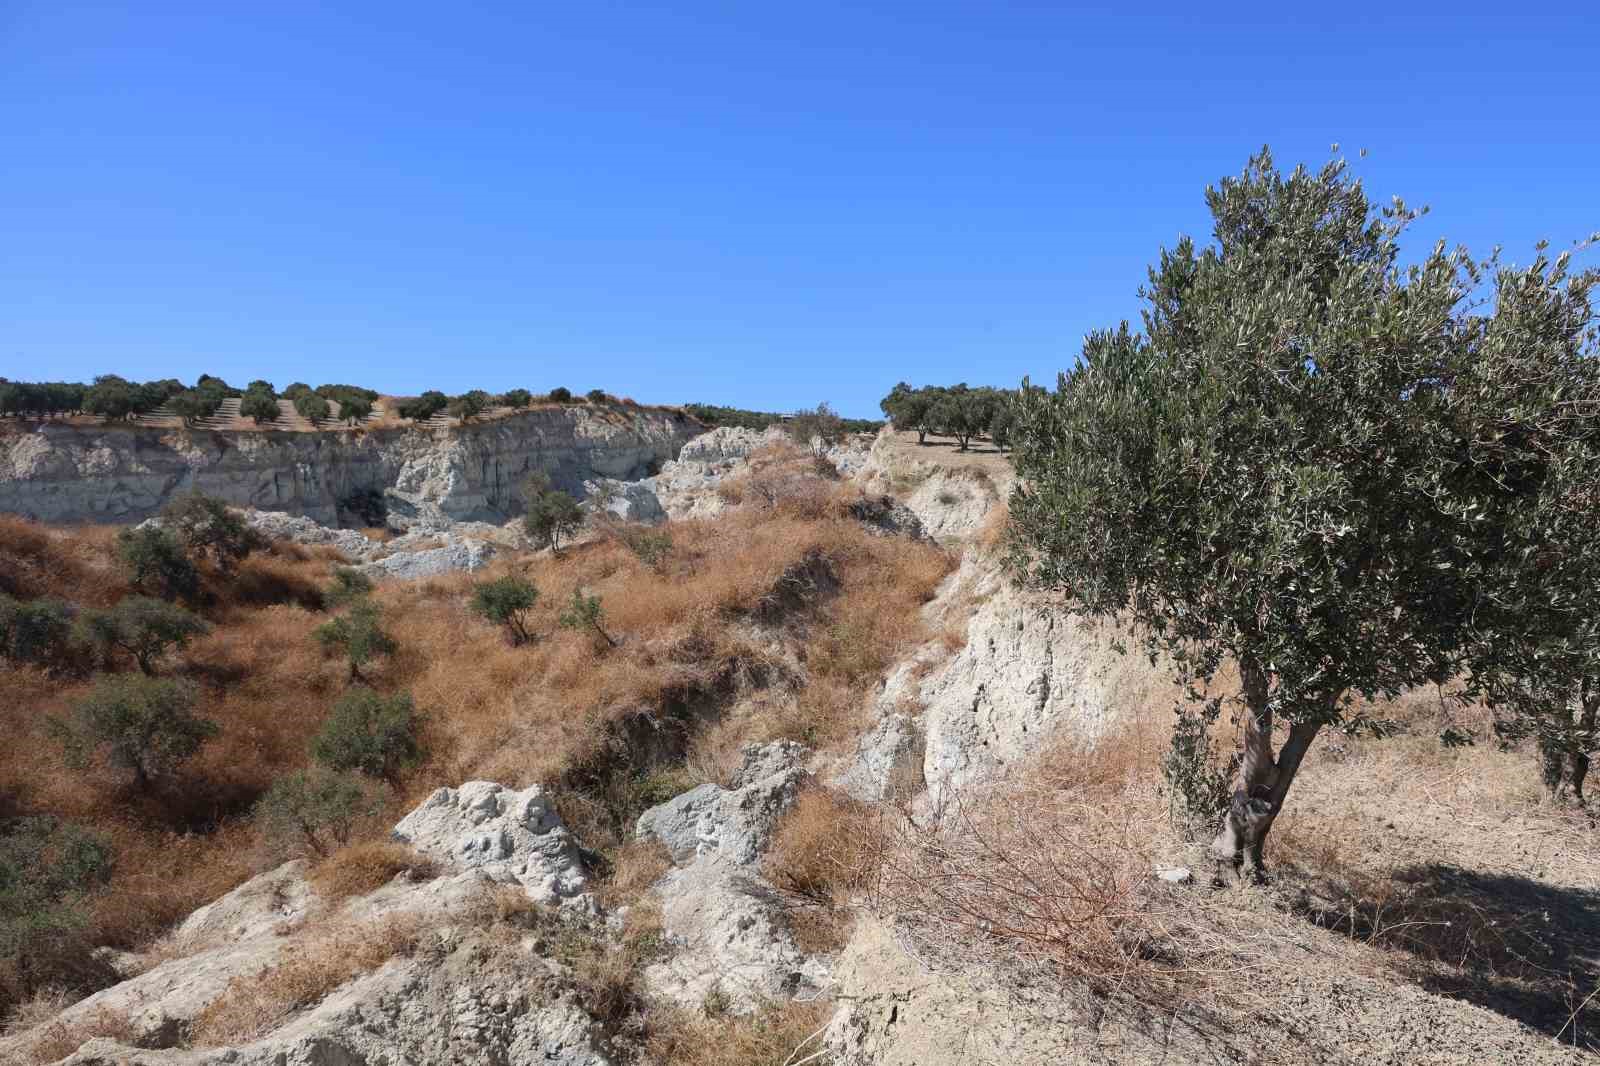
{"x": 55, "y": 1041}
{"x": 635, "y": 866}
{"x": 1053, "y": 881}
{"x": 824, "y": 851}
{"x": 323, "y": 957}
{"x": 777, "y": 1035}
{"x": 359, "y": 868}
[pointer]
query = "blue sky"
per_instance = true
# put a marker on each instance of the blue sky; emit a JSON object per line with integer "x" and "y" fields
{"x": 758, "y": 204}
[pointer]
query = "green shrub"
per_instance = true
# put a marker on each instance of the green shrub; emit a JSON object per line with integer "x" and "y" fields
{"x": 553, "y": 515}
{"x": 261, "y": 407}
{"x": 425, "y": 406}
{"x": 145, "y": 628}
{"x": 469, "y": 405}
{"x": 1199, "y": 788}
{"x": 370, "y": 733}
{"x": 143, "y": 724}
{"x": 358, "y": 634}
{"x": 597, "y": 396}
{"x": 507, "y": 601}
{"x": 46, "y": 868}
{"x": 311, "y": 407}
{"x": 517, "y": 398}
{"x": 155, "y": 561}
{"x": 207, "y": 526}
{"x": 586, "y": 613}
{"x": 652, "y": 546}
{"x": 560, "y": 394}
{"x": 312, "y": 809}
{"x": 34, "y": 631}
{"x": 349, "y": 585}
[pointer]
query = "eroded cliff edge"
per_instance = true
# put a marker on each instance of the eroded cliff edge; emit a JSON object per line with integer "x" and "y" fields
{"x": 59, "y": 473}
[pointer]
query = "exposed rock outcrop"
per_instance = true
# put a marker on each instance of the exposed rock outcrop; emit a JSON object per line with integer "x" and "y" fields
{"x": 59, "y": 473}
{"x": 469, "y": 995}
{"x": 508, "y": 836}
{"x": 720, "y": 915}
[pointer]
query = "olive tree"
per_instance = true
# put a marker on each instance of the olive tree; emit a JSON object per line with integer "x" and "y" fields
{"x": 207, "y": 526}
{"x": 358, "y": 634}
{"x": 507, "y": 601}
{"x": 370, "y": 733}
{"x": 143, "y": 724}
{"x": 145, "y": 628}
{"x": 34, "y": 631}
{"x": 817, "y": 429}
{"x": 313, "y": 809}
{"x": 155, "y": 561}
{"x": 1290, "y": 466}
{"x": 553, "y": 515}
{"x": 585, "y": 614}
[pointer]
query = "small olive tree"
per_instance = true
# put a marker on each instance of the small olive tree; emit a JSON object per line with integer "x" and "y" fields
{"x": 373, "y": 734}
{"x": 348, "y": 586}
{"x": 553, "y": 515}
{"x": 143, "y": 724}
{"x": 155, "y": 561}
{"x": 145, "y": 628}
{"x": 312, "y": 809}
{"x": 207, "y": 526}
{"x": 34, "y": 631}
{"x": 1301, "y": 463}
{"x": 585, "y": 614}
{"x": 358, "y": 634}
{"x": 507, "y": 601}
{"x": 816, "y": 429}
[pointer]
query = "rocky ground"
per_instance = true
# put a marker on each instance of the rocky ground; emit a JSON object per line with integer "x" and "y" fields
{"x": 457, "y": 970}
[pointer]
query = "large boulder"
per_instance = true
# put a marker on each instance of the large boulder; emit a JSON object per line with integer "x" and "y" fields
{"x": 508, "y": 836}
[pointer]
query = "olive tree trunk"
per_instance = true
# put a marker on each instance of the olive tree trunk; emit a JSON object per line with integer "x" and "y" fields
{"x": 1263, "y": 780}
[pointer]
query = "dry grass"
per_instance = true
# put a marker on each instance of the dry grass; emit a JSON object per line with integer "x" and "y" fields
{"x": 1054, "y": 872}
{"x": 779, "y": 1035}
{"x": 323, "y": 957}
{"x": 54, "y": 1041}
{"x": 767, "y": 622}
{"x": 357, "y": 869}
{"x": 825, "y": 851}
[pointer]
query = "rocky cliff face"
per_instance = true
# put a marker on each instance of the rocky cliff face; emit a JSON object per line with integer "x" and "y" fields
{"x": 122, "y": 474}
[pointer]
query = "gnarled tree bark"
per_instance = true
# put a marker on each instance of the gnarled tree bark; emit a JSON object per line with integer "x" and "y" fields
{"x": 1263, "y": 780}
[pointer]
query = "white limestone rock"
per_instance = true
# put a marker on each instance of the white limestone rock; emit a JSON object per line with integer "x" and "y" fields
{"x": 508, "y": 836}
{"x": 718, "y": 912}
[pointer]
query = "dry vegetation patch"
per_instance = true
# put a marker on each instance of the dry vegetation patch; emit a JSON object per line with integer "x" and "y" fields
{"x": 324, "y": 956}
{"x": 825, "y": 852}
{"x": 766, "y": 623}
{"x": 359, "y": 868}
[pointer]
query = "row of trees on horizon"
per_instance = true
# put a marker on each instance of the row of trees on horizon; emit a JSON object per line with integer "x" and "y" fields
{"x": 117, "y": 400}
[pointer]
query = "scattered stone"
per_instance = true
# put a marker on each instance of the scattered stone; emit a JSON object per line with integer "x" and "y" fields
{"x": 1175, "y": 875}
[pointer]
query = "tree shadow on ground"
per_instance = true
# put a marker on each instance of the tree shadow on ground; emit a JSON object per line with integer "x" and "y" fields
{"x": 1521, "y": 948}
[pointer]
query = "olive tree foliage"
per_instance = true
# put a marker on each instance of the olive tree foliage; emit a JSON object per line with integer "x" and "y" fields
{"x": 585, "y": 614}
{"x": 312, "y": 809}
{"x": 155, "y": 561}
{"x": 260, "y": 405}
{"x": 817, "y": 429}
{"x": 909, "y": 408}
{"x": 1299, "y": 464}
{"x": 144, "y": 628}
{"x": 358, "y": 635}
{"x": 143, "y": 724}
{"x": 369, "y": 733}
{"x": 206, "y": 526}
{"x": 34, "y": 631}
{"x": 507, "y": 601}
{"x": 1533, "y": 429}
{"x": 348, "y": 586}
{"x": 552, "y": 515}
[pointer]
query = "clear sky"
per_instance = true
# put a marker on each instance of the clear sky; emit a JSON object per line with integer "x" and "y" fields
{"x": 751, "y": 203}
